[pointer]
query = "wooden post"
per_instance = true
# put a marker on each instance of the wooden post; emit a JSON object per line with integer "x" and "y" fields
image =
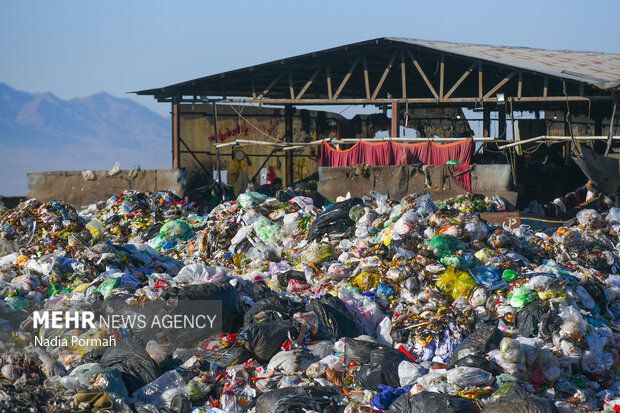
{"x": 217, "y": 155}
{"x": 486, "y": 123}
{"x": 501, "y": 121}
{"x": 288, "y": 137}
{"x": 515, "y": 135}
{"x": 176, "y": 133}
{"x": 567, "y": 132}
{"x": 395, "y": 126}
{"x": 598, "y": 146}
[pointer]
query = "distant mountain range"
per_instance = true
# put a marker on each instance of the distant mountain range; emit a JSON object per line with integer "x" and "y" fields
{"x": 40, "y": 132}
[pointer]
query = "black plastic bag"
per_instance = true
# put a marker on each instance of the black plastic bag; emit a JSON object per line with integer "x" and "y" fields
{"x": 335, "y": 320}
{"x": 334, "y": 219}
{"x": 381, "y": 369}
{"x": 515, "y": 403}
{"x": 299, "y": 400}
{"x": 358, "y": 350}
{"x": 131, "y": 359}
{"x": 479, "y": 361}
{"x": 285, "y": 277}
{"x": 427, "y": 402}
{"x": 224, "y": 357}
{"x": 232, "y": 315}
{"x": 485, "y": 338}
{"x": 265, "y": 339}
{"x": 527, "y": 321}
{"x": 271, "y": 309}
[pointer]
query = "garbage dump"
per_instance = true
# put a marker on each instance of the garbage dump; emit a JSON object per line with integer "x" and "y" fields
{"x": 357, "y": 306}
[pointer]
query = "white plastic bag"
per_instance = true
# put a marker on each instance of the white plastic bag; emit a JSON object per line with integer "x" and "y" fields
{"x": 465, "y": 376}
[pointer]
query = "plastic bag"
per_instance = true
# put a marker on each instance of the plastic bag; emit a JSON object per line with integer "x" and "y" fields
{"x": 334, "y": 219}
{"x": 366, "y": 280}
{"x": 334, "y": 319}
{"x": 427, "y": 401}
{"x": 589, "y": 218}
{"x": 95, "y": 227}
{"x": 317, "y": 253}
{"x": 464, "y": 376}
{"x": 521, "y": 296}
{"x": 613, "y": 216}
{"x": 476, "y": 230}
{"x": 199, "y": 273}
{"x": 486, "y": 276}
{"x": 266, "y": 230}
{"x": 134, "y": 363}
{"x": 176, "y": 230}
{"x": 160, "y": 392}
{"x": 424, "y": 205}
{"x": 443, "y": 245}
{"x": 297, "y": 399}
{"x": 455, "y": 283}
{"x": 509, "y": 274}
{"x": 286, "y": 362}
{"x": 108, "y": 286}
{"x": 409, "y": 372}
{"x": 249, "y": 200}
{"x": 265, "y": 339}
{"x": 484, "y": 338}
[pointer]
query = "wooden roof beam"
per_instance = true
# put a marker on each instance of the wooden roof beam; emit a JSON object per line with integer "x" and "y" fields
{"x": 346, "y": 78}
{"x": 458, "y": 82}
{"x": 500, "y": 84}
{"x": 419, "y": 68}
{"x": 309, "y": 82}
{"x": 386, "y": 71}
{"x": 268, "y": 88}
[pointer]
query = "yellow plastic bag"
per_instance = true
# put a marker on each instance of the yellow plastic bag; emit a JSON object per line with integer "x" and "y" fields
{"x": 387, "y": 237}
{"x": 365, "y": 280}
{"x": 455, "y": 283}
{"x": 96, "y": 229}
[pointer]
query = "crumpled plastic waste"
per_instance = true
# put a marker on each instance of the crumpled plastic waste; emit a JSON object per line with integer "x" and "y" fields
{"x": 354, "y": 306}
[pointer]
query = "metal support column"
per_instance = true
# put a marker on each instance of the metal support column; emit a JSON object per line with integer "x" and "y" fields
{"x": 288, "y": 137}
{"x": 395, "y": 125}
{"x": 176, "y": 133}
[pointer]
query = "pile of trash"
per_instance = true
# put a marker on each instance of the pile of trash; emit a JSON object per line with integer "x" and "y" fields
{"x": 361, "y": 305}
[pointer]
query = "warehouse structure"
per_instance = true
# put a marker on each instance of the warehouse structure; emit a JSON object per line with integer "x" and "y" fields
{"x": 575, "y": 91}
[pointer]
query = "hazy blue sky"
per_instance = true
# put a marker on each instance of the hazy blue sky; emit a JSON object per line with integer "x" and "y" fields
{"x": 76, "y": 48}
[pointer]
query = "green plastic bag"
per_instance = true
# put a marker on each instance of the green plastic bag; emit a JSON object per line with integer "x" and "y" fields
{"x": 176, "y": 230}
{"x": 509, "y": 274}
{"x": 56, "y": 289}
{"x": 266, "y": 230}
{"x": 443, "y": 245}
{"x": 449, "y": 260}
{"x": 455, "y": 283}
{"x": 250, "y": 199}
{"x": 107, "y": 286}
{"x": 521, "y": 296}
{"x": 356, "y": 212}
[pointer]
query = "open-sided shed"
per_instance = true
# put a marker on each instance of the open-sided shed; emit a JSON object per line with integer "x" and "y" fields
{"x": 405, "y": 73}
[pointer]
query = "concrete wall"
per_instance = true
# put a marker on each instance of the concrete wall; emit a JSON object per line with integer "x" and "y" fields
{"x": 398, "y": 181}
{"x": 73, "y": 188}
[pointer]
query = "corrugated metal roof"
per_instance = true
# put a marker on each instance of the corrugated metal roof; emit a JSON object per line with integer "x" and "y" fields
{"x": 596, "y": 68}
